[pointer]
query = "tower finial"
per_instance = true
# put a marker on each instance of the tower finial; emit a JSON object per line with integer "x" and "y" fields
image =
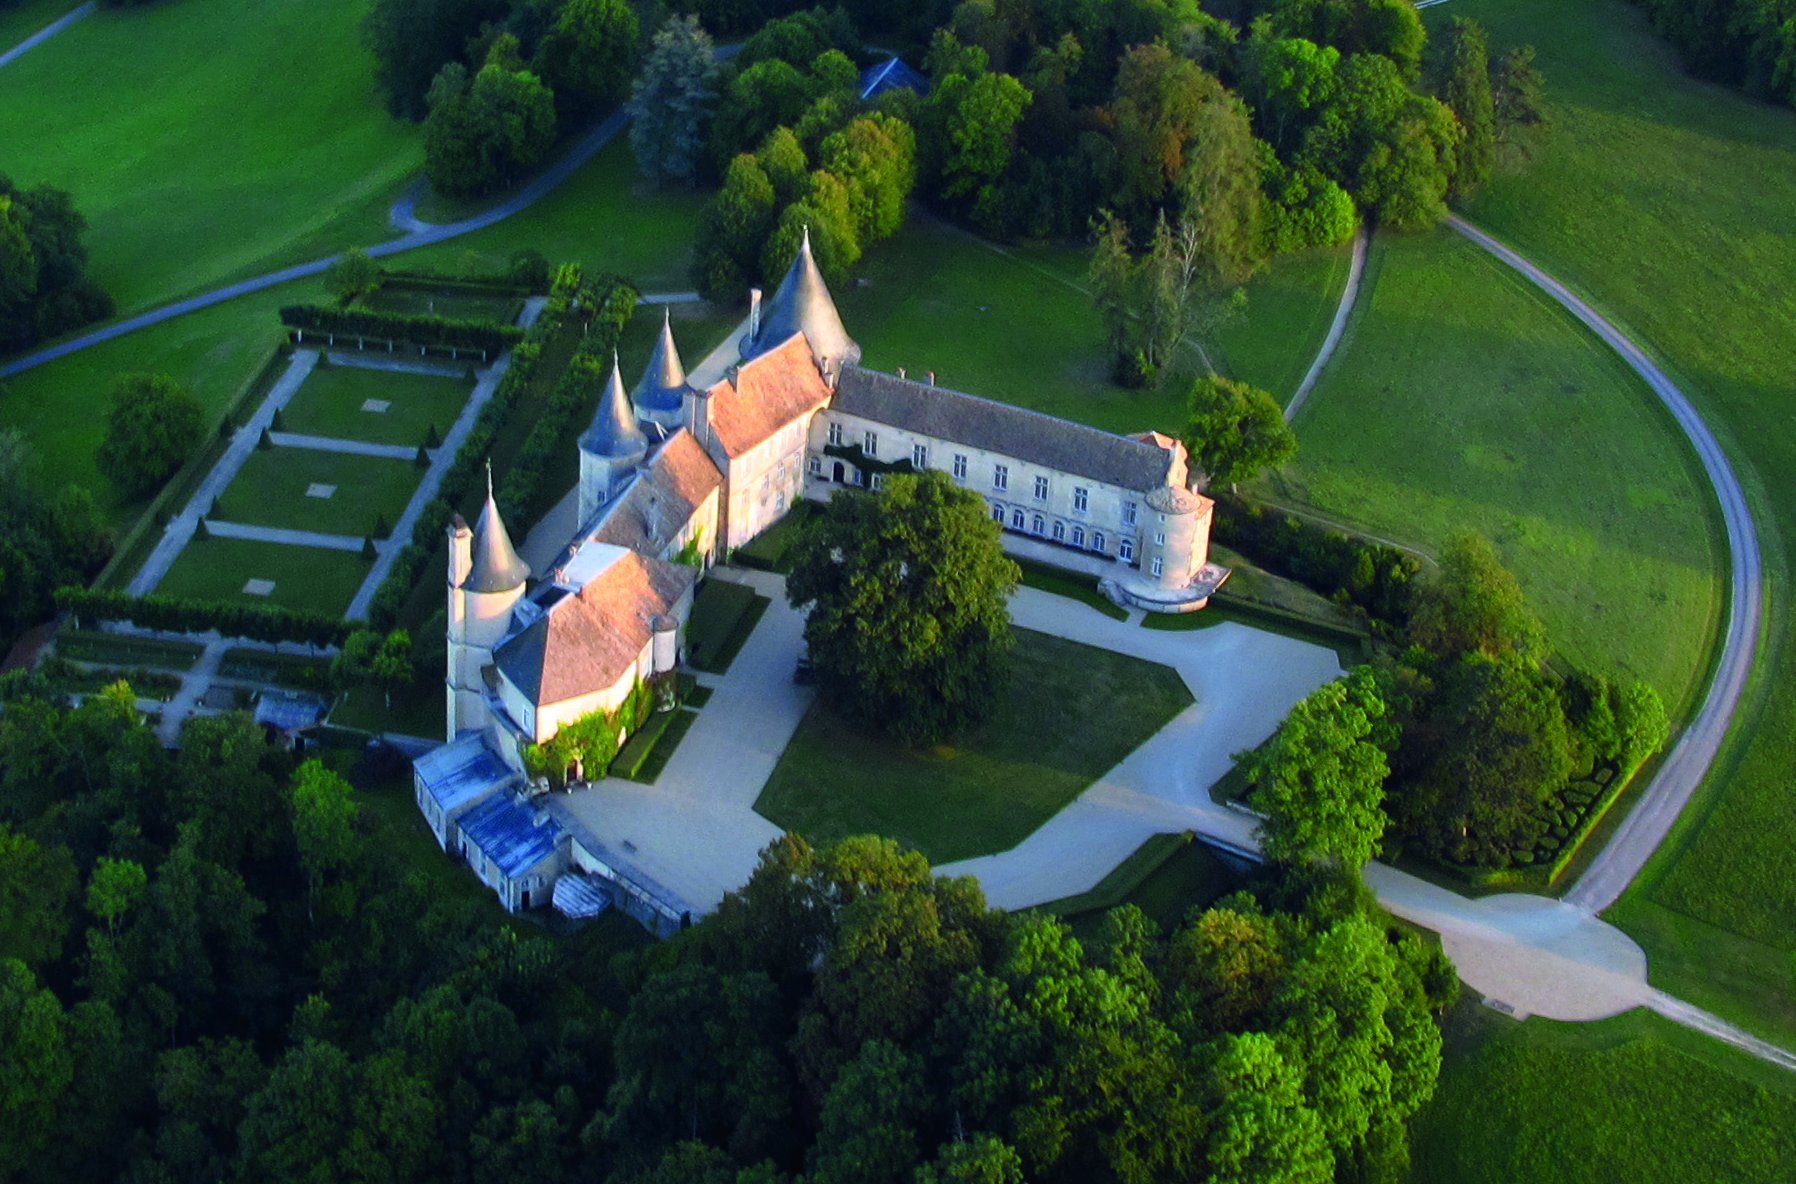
{"x": 489, "y": 476}
{"x": 807, "y": 236}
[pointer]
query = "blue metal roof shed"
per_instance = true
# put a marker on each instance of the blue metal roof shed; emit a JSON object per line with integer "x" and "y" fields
{"x": 891, "y": 74}
{"x": 460, "y": 772}
{"x": 513, "y": 838}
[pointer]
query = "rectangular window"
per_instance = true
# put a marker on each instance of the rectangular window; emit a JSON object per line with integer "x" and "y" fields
{"x": 816, "y": 466}
{"x": 835, "y": 434}
{"x": 1126, "y": 549}
{"x": 870, "y": 443}
{"x": 1001, "y": 477}
{"x": 1160, "y": 539}
{"x": 1128, "y": 513}
{"x": 879, "y": 481}
{"x": 1016, "y": 519}
{"x": 960, "y": 467}
{"x": 1157, "y": 565}
{"x": 919, "y": 455}
{"x": 1041, "y": 489}
{"x": 1080, "y": 500}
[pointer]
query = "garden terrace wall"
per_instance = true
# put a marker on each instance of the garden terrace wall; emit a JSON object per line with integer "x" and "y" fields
{"x": 172, "y": 614}
{"x": 395, "y": 329}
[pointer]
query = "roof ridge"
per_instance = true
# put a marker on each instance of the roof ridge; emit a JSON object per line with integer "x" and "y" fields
{"x": 1057, "y": 419}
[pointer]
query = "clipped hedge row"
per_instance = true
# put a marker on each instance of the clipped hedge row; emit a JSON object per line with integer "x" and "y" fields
{"x": 258, "y": 622}
{"x": 1377, "y": 577}
{"x": 468, "y": 466}
{"x": 412, "y": 329}
{"x": 561, "y": 417}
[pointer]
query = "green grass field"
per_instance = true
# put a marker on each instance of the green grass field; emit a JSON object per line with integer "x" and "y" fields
{"x": 605, "y": 217}
{"x": 1072, "y": 712}
{"x": 329, "y": 403}
{"x": 1634, "y": 1099}
{"x": 436, "y": 302}
{"x": 270, "y": 490}
{"x": 208, "y": 140}
{"x": 308, "y": 578}
{"x": 1672, "y": 204}
{"x": 23, "y": 19}
{"x": 1289, "y": 308}
{"x": 1463, "y": 400}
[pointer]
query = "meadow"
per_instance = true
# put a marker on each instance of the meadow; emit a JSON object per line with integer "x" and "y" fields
{"x": 270, "y": 490}
{"x": 1042, "y": 747}
{"x": 23, "y": 19}
{"x": 1461, "y": 399}
{"x": 329, "y": 403}
{"x": 195, "y": 166}
{"x": 307, "y": 578}
{"x": 1670, "y": 203}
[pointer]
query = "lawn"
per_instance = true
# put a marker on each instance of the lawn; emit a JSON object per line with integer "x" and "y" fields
{"x": 270, "y": 490}
{"x": 1289, "y": 308}
{"x": 27, "y": 17}
{"x": 1634, "y": 1099}
{"x": 122, "y": 649}
{"x": 329, "y": 403}
{"x": 1071, "y": 714}
{"x": 308, "y": 578}
{"x": 1166, "y": 877}
{"x": 605, "y": 217}
{"x": 456, "y": 304}
{"x": 1463, "y": 400}
{"x": 1075, "y": 585}
{"x": 723, "y": 616}
{"x": 416, "y": 710}
{"x": 1673, "y": 204}
{"x": 208, "y": 140}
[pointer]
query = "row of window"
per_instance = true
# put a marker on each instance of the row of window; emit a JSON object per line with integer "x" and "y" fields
{"x": 1059, "y": 531}
{"x": 919, "y": 456}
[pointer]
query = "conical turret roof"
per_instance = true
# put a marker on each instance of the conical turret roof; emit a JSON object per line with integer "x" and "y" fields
{"x": 614, "y": 433}
{"x": 802, "y": 304}
{"x": 496, "y": 566}
{"x": 663, "y": 385}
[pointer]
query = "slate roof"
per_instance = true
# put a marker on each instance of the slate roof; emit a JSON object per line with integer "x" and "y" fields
{"x": 802, "y": 304}
{"x": 663, "y": 385}
{"x": 891, "y": 74}
{"x": 1029, "y": 436}
{"x": 289, "y": 711}
{"x": 496, "y": 566}
{"x": 1170, "y": 499}
{"x": 510, "y": 835}
{"x": 667, "y": 491}
{"x": 765, "y": 394}
{"x": 460, "y": 772}
{"x": 585, "y": 643}
{"x": 613, "y": 431}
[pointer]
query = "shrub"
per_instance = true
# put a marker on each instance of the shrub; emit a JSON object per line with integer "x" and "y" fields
{"x": 1374, "y": 576}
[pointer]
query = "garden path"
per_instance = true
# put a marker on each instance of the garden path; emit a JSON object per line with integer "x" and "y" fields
{"x": 332, "y": 444}
{"x": 291, "y": 538}
{"x": 48, "y": 31}
{"x": 180, "y": 527}
{"x": 1362, "y": 239}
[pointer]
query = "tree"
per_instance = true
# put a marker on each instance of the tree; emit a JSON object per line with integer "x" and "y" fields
{"x": 18, "y": 264}
{"x": 867, "y": 1129}
{"x": 1224, "y": 967}
{"x": 1320, "y": 779}
{"x": 1474, "y": 604}
{"x": 44, "y": 289}
{"x": 36, "y": 884}
{"x": 672, "y": 100}
{"x": 484, "y": 134}
{"x": 391, "y": 668}
{"x": 981, "y": 1159}
{"x": 874, "y": 156}
{"x": 115, "y": 887}
{"x": 726, "y": 255}
{"x": 1463, "y": 82}
{"x": 352, "y": 276}
{"x": 35, "y": 1067}
{"x": 1158, "y": 98}
{"x": 1235, "y": 430}
{"x": 909, "y": 627}
{"x": 152, "y": 427}
{"x": 1518, "y": 102}
{"x": 1220, "y": 200}
{"x": 588, "y": 58}
{"x": 1261, "y": 1130}
{"x": 412, "y": 39}
{"x": 1286, "y": 80}
{"x": 324, "y": 814}
{"x": 979, "y": 119}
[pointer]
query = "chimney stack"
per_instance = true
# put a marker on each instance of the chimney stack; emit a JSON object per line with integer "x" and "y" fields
{"x": 754, "y": 313}
{"x": 901, "y": 372}
{"x": 932, "y": 378}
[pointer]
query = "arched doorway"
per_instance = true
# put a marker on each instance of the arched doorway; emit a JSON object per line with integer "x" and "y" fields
{"x": 837, "y": 473}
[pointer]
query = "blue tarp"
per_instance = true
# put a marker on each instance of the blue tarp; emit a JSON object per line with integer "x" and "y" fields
{"x": 460, "y": 772}
{"x": 514, "y": 838}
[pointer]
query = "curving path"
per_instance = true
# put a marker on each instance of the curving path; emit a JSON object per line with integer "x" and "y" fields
{"x": 1356, "y": 269}
{"x": 419, "y": 234}
{"x": 1688, "y": 762}
{"x": 48, "y": 31}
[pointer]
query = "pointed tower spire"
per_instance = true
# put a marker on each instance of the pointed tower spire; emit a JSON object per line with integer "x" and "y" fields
{"x": 614, "y": 433}
{"x": 662, "y": 391}
{"x": 802, "y": 304}
{"x": 496, "y": 566}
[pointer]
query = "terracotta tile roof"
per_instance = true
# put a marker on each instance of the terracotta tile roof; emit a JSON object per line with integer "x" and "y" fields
{"x": 663, "y": 497}
{"x": 586, "y": 643}
{"x": 769, "y": 392}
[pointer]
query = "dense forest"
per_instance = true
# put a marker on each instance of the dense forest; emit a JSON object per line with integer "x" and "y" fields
{"x": 211, "y": 970}
{"x": 1746, "y": 43}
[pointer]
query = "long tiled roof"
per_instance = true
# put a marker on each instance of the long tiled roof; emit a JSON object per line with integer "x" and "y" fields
{"x": 768, "y": 392}
{"x": 585, "y": 643}
{"x": 1029, "y": 436}
{"x": 515, "y": 838}
{"x": 667, "y": 491}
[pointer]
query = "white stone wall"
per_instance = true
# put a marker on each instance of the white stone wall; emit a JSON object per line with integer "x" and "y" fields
{"x": 766, "y": 480}
{"x": 1105, "y": 509}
